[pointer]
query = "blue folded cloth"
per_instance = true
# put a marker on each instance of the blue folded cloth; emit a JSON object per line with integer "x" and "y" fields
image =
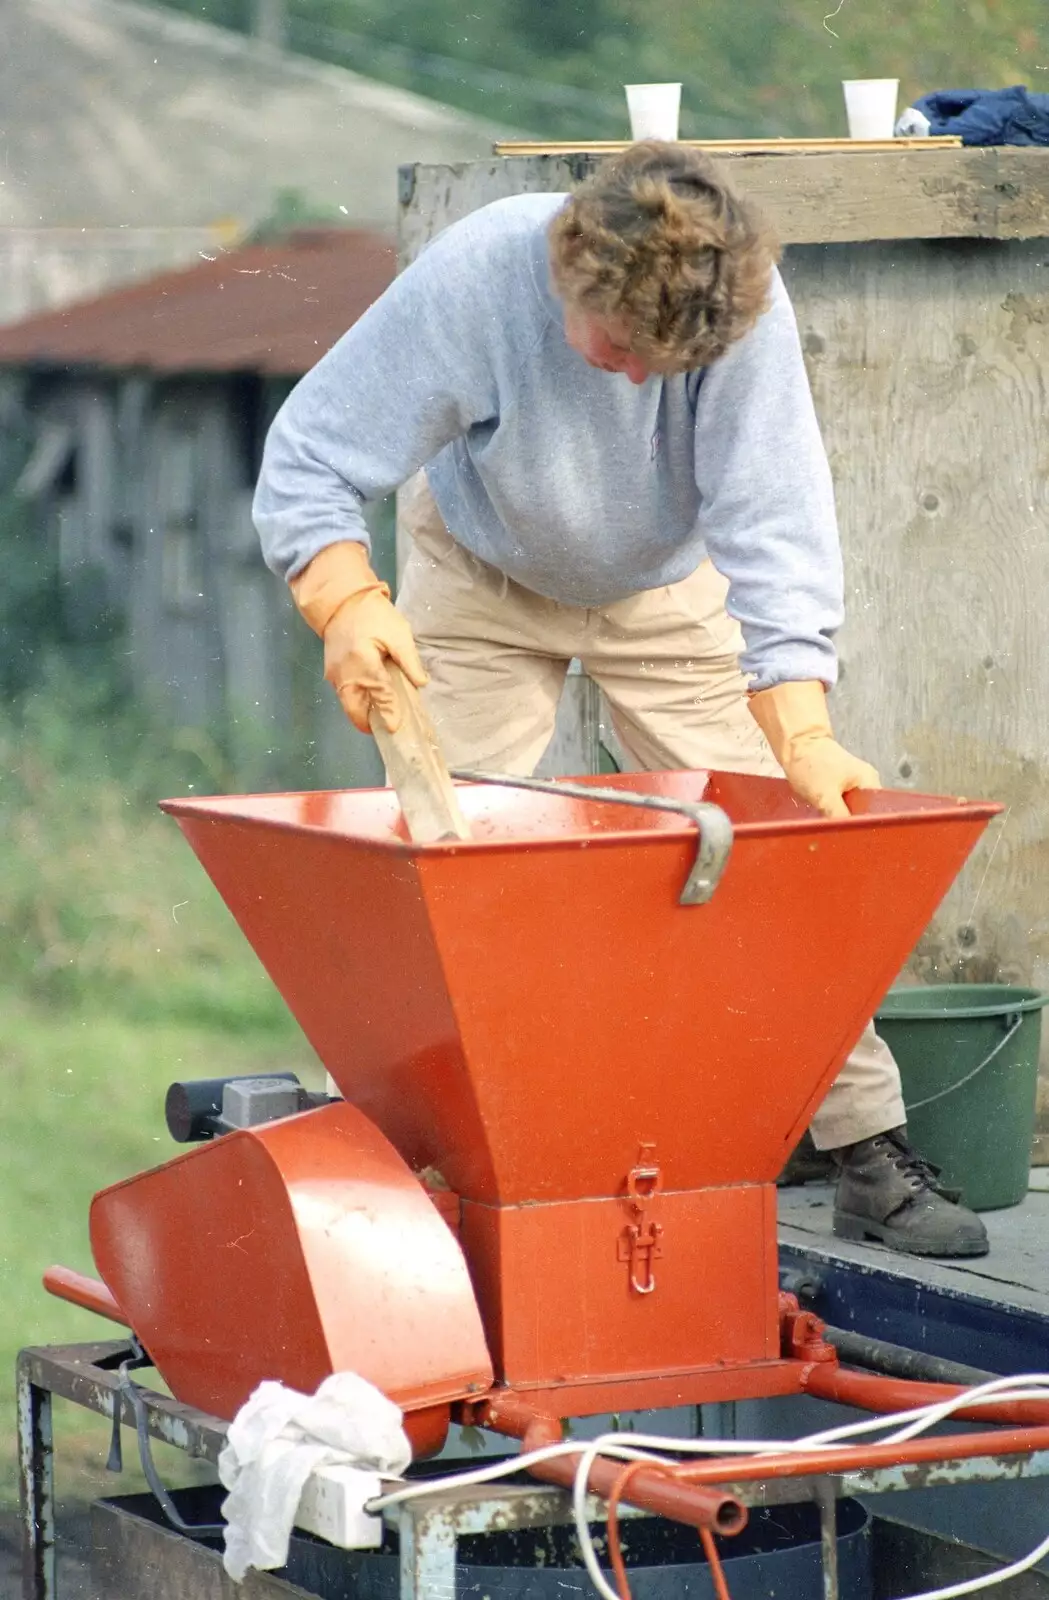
{"x": 988, "y": 116}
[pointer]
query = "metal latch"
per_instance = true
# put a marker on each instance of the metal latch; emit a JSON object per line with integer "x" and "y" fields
{"x": 713, "y": 825}
{"x": 639, "y": 1247}
{"x": 640, "y": 1241}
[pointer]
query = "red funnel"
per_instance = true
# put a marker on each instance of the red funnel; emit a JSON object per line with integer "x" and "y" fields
{"x": 522, "y": 1012}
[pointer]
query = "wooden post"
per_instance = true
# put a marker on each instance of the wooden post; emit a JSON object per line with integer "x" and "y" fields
{"x": 269, "y": 22}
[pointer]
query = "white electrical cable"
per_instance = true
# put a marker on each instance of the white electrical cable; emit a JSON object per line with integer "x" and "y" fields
{"x": 584, "y": 1538}
{"x": 503, "y": 1469}
{"x": 467, "y": 1480}
{"x": 614, "y": 1444}
{"x": 1029, "y": 1386}
{"x": 995, "y": 1390}
{"x": 640, "y": 1447}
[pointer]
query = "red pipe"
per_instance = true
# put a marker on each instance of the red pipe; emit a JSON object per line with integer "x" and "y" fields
{"x": 850, "y": 1458}
{"x": 870, "y": 1392}
{"x": 650, "y": 1488}
{"x": 88, "y": 1293}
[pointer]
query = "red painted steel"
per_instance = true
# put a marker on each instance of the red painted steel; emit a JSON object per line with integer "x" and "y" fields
{"x": 606, "y": 1081}
{"x": 523, "y": 1011}
{"x": 729, "y": 1380}
{"x": 872, "y": 1392}
{"x": 87, "y": 1293}
{"x": 799, "y": 1339}
{"x": 863, "y": 1457}
{"x": 291, "y": 1251}
{"x": 555, "y": 1287}
{"x": 651, "y": 1489}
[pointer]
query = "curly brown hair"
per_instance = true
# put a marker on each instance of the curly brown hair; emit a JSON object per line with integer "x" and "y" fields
{"x": 657, "y": 237}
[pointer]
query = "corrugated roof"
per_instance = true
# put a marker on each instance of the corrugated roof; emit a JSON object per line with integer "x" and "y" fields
{"x": 269, "y": 308}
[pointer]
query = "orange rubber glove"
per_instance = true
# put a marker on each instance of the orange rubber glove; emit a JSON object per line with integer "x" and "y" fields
{"x": 349, "y": 607}
{"x": 793, "y": 717}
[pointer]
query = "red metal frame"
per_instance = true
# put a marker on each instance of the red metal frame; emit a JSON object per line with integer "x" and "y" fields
{"x": 695, "y": 1492}
{"x": 598, "y": 1084}
{"x": 869, "y": 1391}
{"x": 606, "y": 1080}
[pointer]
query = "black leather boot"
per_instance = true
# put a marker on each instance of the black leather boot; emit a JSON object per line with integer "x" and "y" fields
{"x": 806, "y": 1164}
{"x": 888, "y": 1192}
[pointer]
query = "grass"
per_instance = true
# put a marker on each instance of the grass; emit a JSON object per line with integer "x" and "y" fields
{"x": 83, "y": 1097}
{"x": 120, "y": 970}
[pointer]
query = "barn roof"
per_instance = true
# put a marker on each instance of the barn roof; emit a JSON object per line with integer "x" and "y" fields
{"x": 270, "y": 308}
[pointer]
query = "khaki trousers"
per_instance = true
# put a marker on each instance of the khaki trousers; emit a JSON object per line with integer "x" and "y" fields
{"x": 666, "y": 661}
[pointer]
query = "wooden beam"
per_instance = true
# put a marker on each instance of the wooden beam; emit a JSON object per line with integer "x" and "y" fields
{"x": 562, "y": 147}
{"x": 814, "y": 196}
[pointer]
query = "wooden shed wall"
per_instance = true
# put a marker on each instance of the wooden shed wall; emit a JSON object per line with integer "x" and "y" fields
{"x": 152, "y": 520}
{"x": 928, "y": 367}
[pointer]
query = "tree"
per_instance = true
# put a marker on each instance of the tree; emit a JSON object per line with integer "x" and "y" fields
{"x": 769, "y": 67}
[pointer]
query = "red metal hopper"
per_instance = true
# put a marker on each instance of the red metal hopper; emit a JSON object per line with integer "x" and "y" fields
{"x": 606, "y": 1080}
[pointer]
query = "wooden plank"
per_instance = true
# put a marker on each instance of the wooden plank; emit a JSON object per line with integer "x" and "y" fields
{"x": 97, "y": 474}
{"x": 927, "y": 365}
{"x": 560, "y": 147}
{"x": 831, "y": 196}
{"x": 1021, "y": 195}
{"x": 417, "y": 769}
{"x": 1012, "y": 1275}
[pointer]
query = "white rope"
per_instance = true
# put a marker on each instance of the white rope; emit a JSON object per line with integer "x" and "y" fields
{"x": 663, "y": 1451}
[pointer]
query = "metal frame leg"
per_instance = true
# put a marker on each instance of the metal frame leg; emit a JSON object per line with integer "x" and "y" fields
{"x": 36, "y": 1489}
{"x": 719, "y": 1419}
{"x": 827, "y": 1501}
{"x": 428, "y": 1544}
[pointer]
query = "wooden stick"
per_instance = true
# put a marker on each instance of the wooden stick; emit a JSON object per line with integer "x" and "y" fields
{"x": 417, "y": 770}
{"x": 536, "y": 147}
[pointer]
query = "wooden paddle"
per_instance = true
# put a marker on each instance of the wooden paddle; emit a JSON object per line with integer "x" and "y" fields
{"x": 416, "y": 769}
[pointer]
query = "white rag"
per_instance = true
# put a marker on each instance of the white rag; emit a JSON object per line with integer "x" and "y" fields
{"x": 279, "y": 1437}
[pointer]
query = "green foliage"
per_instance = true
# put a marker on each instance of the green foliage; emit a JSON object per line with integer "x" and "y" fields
{"x": 292, "y": 209}
{"x": 784, "y": 64}
{"x": 120, "y": 971}
{"x": 41, "y": 613}
{"x": 554, "y": 29}
{"x": 84, "y": 1107}
{"x": 101, "y": 901}
{"x": 770, "y": 67}
{"x": 29, "y": 598}
{"x": 224, "y": 13}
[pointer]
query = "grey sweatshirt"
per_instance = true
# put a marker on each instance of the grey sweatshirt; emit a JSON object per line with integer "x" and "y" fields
{"x": 573, "y": 481}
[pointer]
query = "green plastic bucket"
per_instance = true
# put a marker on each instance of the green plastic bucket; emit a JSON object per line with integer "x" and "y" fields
{"x": 968, "y": 1057}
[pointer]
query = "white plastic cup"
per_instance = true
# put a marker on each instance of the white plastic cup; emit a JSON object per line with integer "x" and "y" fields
{"x": 655, "y": 109}
{"x": 870, "y": 105}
